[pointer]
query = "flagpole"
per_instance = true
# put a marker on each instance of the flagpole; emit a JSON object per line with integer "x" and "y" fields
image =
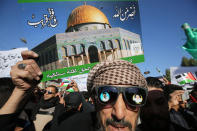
{"x": 164, "y": 78}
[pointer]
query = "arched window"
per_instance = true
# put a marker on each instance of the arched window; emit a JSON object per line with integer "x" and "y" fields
{"x": 74, "y": 51}
{"x": 124, "y": 42}
{"x": 65, "y": 50}
{"x": 82, "y": 48}
{"x": 93, "y": 54}
{"x": 102, "y": 46}
{"x": 118, "y": 44}
{"x": 128, "y": 45}
{"x": 130, "y": 42}
{"x": 111, "y": 44}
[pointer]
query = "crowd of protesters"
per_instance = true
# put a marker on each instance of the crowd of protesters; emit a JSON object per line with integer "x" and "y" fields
{"x": 118, "y": 98}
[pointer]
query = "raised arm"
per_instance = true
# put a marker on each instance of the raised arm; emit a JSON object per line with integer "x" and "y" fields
{"x": 25, "y": 76}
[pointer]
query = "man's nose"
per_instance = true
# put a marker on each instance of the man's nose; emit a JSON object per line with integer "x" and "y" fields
{"x": 119, "y": 108}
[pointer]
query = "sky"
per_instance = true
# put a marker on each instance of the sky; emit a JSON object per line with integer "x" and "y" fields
{"x": 160, "y": 21}
{"x": 162, "y": 35}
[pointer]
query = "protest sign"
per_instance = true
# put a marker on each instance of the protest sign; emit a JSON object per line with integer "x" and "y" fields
{"x": 78, "y": 34}
{"x": 184, "y": 76}
{"x": 8, "y": 59}
{"x": 81, "y": 80}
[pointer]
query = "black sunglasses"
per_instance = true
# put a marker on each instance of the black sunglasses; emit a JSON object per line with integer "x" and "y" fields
{"x": 48, "y": 92}
{"x": 134, "y": 96}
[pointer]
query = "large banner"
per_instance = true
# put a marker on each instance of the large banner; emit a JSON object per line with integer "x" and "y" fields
{"x": 8, "y": 59}
{"x": 72, "y": 36}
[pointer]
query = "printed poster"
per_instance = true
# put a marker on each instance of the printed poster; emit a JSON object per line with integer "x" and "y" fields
{"x": 72, "y": 36}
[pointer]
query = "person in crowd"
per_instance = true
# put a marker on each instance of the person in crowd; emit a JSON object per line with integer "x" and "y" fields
{"x": 180, "y": 118}
{"x": 11, "y": 109}
{"x": 33, "y": 102}
{"x": 48, "y": 101}
{"x": 120, "y": 79}
{"x": 73, "y": 102}
{"x": 86, "y": 105}
{"x": 50, "y": 98}
{"x": 193, "y": 100}
{"x": 37, "y": 94}
{"x": 45, "y": 108}
{"x": 22, "y": 121}
{"x": 173, "y": 94}
{"x": 87, "y": 102}
{"x": 68, "y": 105}
{"x": 154, "y": 115}
{"x": 86, "y": 95}
{"x": 74, "y": 86}
{"x": 6, "y": 89}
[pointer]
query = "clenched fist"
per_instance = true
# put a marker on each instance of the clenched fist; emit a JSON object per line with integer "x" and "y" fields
{"x": 26, "y": 74}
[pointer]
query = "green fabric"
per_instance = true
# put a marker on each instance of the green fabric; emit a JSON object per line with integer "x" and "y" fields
{"x": 192, "y": 52}
{"x": 70, "y": 90}
{"x": 191, "y": 45}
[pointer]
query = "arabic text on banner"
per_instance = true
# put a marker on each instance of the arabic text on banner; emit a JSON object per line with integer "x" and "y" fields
{"x": 8, "y": 59}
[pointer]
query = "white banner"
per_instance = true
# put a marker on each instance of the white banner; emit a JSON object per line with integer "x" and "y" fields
{"x": 8, "y": 59}
{"x": 81, "y": 81}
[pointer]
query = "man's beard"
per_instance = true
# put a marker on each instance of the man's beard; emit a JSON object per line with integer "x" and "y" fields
{"x": 115, "y": 122}
{"x": 121, "y": 123}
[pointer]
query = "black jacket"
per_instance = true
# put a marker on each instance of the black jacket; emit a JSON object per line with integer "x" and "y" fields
{"x": 74, "y": 121}
{"x": 183, "y": 119}
{"x": 8, "y": 122}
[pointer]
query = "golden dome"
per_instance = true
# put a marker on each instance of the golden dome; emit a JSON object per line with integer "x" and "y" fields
{"x": 86, "y": 14}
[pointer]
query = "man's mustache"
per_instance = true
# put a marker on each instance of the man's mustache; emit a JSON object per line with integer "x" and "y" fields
{"x": 122, "y": 123}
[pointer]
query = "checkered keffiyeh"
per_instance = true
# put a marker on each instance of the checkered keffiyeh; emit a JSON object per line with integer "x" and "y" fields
{"x": 116, "y": 72}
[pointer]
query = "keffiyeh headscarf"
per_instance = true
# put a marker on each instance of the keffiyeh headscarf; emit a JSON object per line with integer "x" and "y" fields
{"x": 116, "y": 72}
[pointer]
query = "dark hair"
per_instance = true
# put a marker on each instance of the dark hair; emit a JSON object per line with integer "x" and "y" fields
{"x": 85, "y": 94}
{"x": 154, "y": 82}
{"x": 56, "y": 90}
{"x": 6, "y": 89}
{"x": 73, "y": 100}
{"x": 168, "y": 89}
{"x": 194, "y": 91}
{"x": 195, "y": 86}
